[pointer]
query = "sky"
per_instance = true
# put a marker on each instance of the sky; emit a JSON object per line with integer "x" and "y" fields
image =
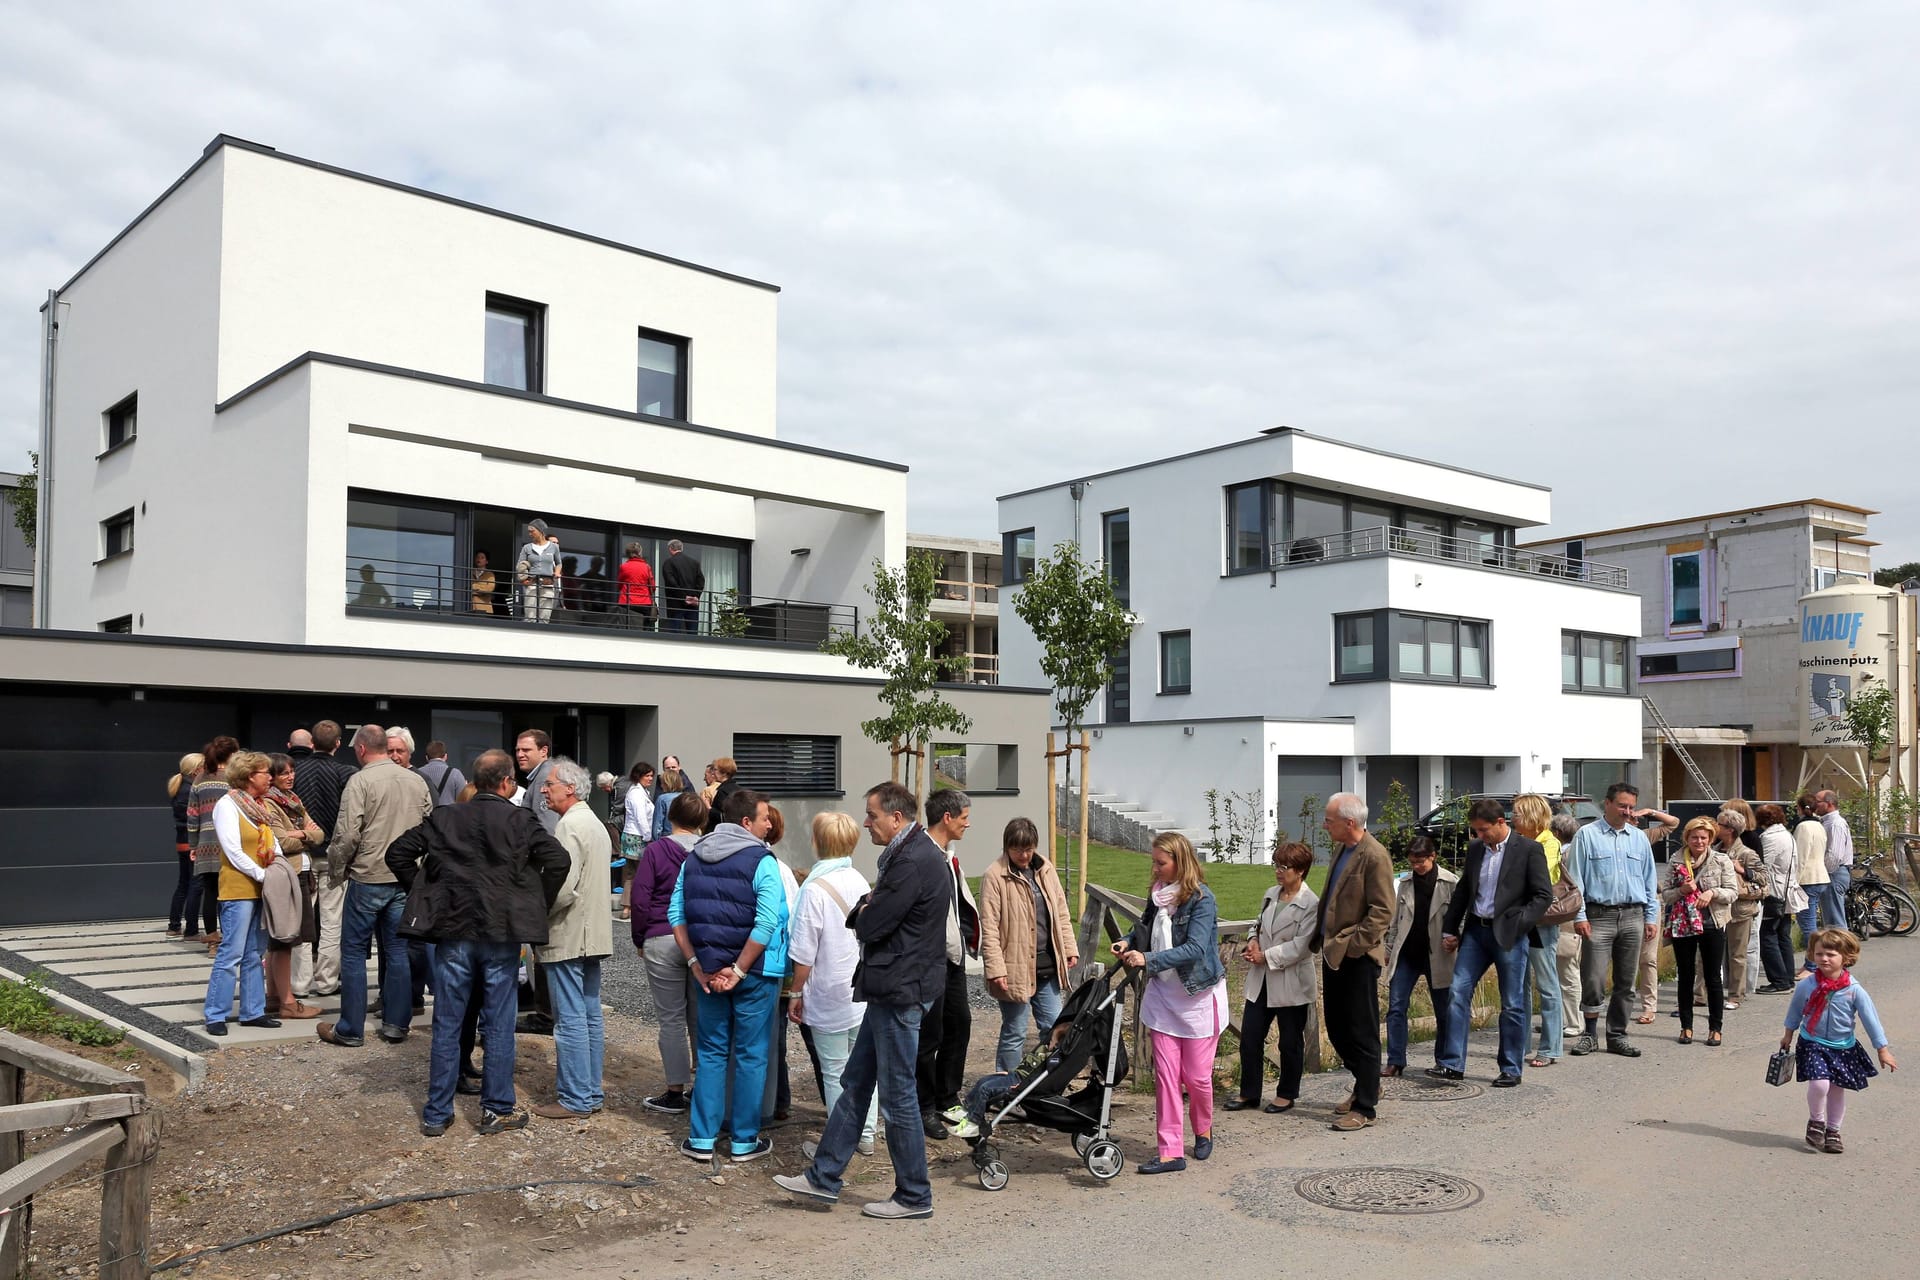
{"x": 1660, "y": 256}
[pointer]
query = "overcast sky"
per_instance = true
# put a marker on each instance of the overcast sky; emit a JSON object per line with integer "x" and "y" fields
{"x": 1660, "y": 256}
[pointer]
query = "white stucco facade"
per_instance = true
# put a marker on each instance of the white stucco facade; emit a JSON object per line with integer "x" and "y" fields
{"x": 1263, "y": 677}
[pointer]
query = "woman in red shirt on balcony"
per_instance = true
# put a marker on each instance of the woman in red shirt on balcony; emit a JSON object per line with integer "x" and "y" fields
{"x": 636, "y": 589}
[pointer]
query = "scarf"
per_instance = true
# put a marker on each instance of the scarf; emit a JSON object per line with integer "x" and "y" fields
{"x": 1165, "y": 898}
{"x": 255, "y": 810}
{"x": 1822, "y": 988}
{"x": 289, "y": 804}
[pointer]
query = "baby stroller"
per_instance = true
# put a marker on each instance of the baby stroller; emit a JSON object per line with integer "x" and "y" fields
{"x": 1093, "y": 1041}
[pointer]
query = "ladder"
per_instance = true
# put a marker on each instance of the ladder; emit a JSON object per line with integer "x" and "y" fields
{"x": 1673, "y": 740}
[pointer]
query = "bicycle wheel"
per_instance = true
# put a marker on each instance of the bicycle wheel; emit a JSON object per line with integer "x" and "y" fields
{"x": 1909, "y": 914}
{"x": 1857, "y": 914}
{"x": 1879, "y": 913}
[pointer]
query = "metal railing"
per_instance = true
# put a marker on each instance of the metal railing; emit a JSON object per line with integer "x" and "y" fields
{"x": 409, "y": 588}
{"x": 958, "y": 591}
{"x": 1420, "y": 544}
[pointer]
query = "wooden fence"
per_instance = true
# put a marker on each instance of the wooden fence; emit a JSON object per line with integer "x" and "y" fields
{"x": 115, "y": 1123}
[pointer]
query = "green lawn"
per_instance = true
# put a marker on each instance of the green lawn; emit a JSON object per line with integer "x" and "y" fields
{"x": 1237, "y": 886}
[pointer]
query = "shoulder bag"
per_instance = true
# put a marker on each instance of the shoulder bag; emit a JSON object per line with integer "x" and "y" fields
{"x": 1566, "y": 905}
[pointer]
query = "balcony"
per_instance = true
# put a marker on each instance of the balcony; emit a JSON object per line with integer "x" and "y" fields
{"x": 957, "y": 597}
{"x": 445, "y": 593}
{"x": 1419, "y": 544}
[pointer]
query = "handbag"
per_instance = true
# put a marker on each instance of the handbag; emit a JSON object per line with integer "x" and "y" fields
{"x": 1780, "y": 1066}
{"x": 1684, "y": 919}
{"x": 1567, "y": 903}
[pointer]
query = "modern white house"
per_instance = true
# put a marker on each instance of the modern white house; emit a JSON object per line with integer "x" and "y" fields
{"x": 1720, "y": 635}
{"x": 290, "y": 408}
{"x": 1314, "y": 616}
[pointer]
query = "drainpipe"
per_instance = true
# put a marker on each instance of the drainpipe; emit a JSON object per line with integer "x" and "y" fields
{"x": 43, "y": 504}
{"x": 1079, "y": 491}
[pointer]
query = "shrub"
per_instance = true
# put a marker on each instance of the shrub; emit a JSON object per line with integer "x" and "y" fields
{"x": 25, "y": 1008}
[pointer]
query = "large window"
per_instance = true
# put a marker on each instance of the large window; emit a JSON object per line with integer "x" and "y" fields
{"x": 1708, "y": 657}
{"x": 515, "y": 341}
{"x": 1313, "y": 514}
{"x": 1248, "y": 521}
{"x": 1176, "y": 662}
{"x": 1683, "y": 590}
{"x": 782, "y": 764}
{"x": 405, "y": 555}
{"x": 122, "y": 422}
{"x": 1117, "y": 535}
{"x": 1016, "y": 556}
{"x": 1592, "y": 663}
{"x": 1386, "y": 644}
{"x": 116, "y": 535}
{"x": 663, "y": 375}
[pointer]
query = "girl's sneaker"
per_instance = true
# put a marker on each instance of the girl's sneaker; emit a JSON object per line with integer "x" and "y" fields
{"x": 1832, "y": 1145}
{"x": 1816, "y": 1133}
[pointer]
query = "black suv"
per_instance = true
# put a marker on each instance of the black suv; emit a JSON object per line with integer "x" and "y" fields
{"x": 1446, "y": 826}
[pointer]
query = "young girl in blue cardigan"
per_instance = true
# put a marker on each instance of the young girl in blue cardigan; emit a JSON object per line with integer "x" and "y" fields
{"x": 1829, "y": 1059}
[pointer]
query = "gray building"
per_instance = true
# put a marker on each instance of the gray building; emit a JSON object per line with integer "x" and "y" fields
{"x": 16, "y": 561}
{"x": 1719, "y": 634}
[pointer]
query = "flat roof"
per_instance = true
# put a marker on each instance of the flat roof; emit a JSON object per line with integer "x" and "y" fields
{"x": 241, "y": 144}
{"x": 1716, "y": 515}
{"x": 1271, "y": 433}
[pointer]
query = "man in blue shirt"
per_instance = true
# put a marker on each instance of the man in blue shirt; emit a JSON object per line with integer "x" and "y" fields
{"x": 1612, "y": 863}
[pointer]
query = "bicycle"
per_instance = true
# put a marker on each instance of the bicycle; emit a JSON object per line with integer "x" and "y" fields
{"x": 1885, "y": 907}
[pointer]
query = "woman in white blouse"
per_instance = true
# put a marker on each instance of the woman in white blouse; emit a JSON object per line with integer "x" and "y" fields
{"x": 1280, "y": 982}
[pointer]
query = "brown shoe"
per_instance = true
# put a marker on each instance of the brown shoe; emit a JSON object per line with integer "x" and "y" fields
{"x": 327, "y": 1033}
{"x": 298, "y": 1010}
{"x": 1350, "y": 1121}
{"x": 1344, "y": 1108}
{"x": 1833, "y": 1146}
{"x": 554, "y": 1111}
{"x": 1390, "y": 1072}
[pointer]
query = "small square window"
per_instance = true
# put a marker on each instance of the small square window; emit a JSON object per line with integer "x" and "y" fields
{"x": 1356, "y": 639}
{"x": 116, "y": 535}
{"x": 663, "y": 375}
{"x": 123, "y": 421}
{"x": 1016, "y": 557}
{"x": 1176, "y": 661}
{"x": 515, "y": 343}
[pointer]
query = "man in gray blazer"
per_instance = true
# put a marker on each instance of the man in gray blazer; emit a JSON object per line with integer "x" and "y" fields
{"x": 1503, "y": 892}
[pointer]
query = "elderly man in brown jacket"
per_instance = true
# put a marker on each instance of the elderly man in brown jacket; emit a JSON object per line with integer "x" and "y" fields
{"x": 1355, "y": 909}
{"x": 1027, "y": 947}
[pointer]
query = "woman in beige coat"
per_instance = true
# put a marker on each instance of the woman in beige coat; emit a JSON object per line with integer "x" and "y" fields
{"x": 1027, "y": 948}
{"x": 1697, "y": 893}
{"x": 1280, "y": 982}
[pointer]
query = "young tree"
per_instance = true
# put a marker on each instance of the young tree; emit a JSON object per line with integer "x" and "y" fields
{"x": 1070, "y": 607}
{"x": 1870, "y": 719}
{"x": 899, "y": 641}
{"x": 26, "y": 501}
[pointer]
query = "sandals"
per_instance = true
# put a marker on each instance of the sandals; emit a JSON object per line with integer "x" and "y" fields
{"x": 1645, "y": 1019}
{"x": 1541, "y": 1062}
{"x": 1713, "y": 1039}
{"x": 1686, "y": 1037}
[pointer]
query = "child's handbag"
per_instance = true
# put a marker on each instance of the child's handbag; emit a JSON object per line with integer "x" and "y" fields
{"x": 1780, "y": 1066}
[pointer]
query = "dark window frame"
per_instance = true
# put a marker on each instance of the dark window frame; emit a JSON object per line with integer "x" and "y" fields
{"x": 110, "y": 527}
{"x": 121, "y": 424}
{"x": 683, "y": 380}
{"x": 1012, "y": 572}
{"x": 759, "y": 770}
{"x": 535, "y": 314}
{"x": 1730, "y": 654}
{"x": 1629, "y": 667}
{"x": 1166, "y": 687}
{"x": 1122, "y": 586}
{"x": 1380, "y": 668}
{"x": 1266, "y": 490}
{"x": 1386, "y": 649}
{"x": 120, "y": 626}
{"x": 1278, "y": 499}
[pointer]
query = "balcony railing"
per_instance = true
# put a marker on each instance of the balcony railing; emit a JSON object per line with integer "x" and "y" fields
{"x": 1422, "y": 545}
{"x": 956, "y": 592}
{"x": 411, "y": 589}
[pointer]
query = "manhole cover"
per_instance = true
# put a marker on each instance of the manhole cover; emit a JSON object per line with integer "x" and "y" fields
{"x": 1388, "y": 1190}
{"x": 1408, "y": 1089}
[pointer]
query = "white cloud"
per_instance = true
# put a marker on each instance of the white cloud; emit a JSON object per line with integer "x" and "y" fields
{"x": 1656, "y": 255}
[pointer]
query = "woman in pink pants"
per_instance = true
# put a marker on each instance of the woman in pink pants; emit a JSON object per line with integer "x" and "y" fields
{"x": 1183, "y": 1003}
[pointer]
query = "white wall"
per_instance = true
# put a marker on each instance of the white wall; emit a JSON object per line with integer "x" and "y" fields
{"x": 314, "y": 261}
{"x": 841, "y": 548}
{"x": 143, "y": 320}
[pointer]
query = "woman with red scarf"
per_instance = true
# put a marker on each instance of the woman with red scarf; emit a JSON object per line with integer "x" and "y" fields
{"x": 1829, "y": 1057}
{"x": 1697, "y": 898}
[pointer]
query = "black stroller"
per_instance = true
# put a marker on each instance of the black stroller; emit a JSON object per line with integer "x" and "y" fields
{"x": 1094, "y": 1042}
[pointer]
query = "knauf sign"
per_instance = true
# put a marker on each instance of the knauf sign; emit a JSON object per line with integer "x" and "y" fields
{"x": 1844, "y": 634}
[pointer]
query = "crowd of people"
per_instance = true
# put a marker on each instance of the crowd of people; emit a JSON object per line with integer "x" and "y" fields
{"x": 301, "y": 868}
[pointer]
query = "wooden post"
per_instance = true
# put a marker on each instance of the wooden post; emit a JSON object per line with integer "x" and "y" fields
{"x": 1084, "y": 751}
{"x": 126, "y": 1193}
{"x": 1053, "y": 812}
{"x": 14, "y": 1226}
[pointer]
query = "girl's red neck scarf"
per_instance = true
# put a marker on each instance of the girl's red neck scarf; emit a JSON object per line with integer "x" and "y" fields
{"x": 1822, "y": 988}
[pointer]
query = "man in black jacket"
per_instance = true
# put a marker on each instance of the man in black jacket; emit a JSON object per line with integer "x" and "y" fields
{"x": 902, "y": 927}
{"x": 480, "y": 878}
{"x": 1501, "y": 896}
{"x": 682, "y": 584}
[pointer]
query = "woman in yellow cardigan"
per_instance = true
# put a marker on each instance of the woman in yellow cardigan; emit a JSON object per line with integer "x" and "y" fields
{"x": 247, "y": 846}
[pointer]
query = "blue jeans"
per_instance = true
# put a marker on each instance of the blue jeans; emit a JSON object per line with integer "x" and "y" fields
{"x": 370, "y": 907}
{"x": 1833, "y": 899}
{"x": 1043, "y": 1007}
{"x": 1407, "y": 970}
{"x": 243, "y": 936}
{"x": 832, "y": 1048}
{"x": 578, "y": 1033}
{"x": 1543, "y": 980}
{"x": 884, "y": 1055}
{"x": 1479, "y": 952}
{"x": 735, "y": 1035}
{"x": 464, "y": 971}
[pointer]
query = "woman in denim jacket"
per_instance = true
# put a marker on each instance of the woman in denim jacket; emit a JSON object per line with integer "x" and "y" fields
{"x": 1183, "y": 1002}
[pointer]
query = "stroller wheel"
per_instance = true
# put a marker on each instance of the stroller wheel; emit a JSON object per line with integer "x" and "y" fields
{"x": 993, "y": 1175}
{"x": 1103, "y": 1159}
{"x": 1081, "y": 1141}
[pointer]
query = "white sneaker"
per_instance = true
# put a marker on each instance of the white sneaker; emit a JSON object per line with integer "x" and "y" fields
{"x": 866, "y": 1146}
{"x": 963, "y": 1127}
{"x": 954, "y": 1115}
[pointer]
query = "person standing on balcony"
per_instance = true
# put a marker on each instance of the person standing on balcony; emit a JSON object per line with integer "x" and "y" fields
{"x": 537, "y": 567}
{"x": 636, "y": 590}
{"x": 485, "y": 583}
{"x": 682, "y": 582}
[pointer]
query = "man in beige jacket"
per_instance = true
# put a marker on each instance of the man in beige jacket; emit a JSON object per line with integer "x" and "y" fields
{"x": 380, "y": 803}
{"x": 1355, "y": 909}
{"x": 579, "y": 937}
